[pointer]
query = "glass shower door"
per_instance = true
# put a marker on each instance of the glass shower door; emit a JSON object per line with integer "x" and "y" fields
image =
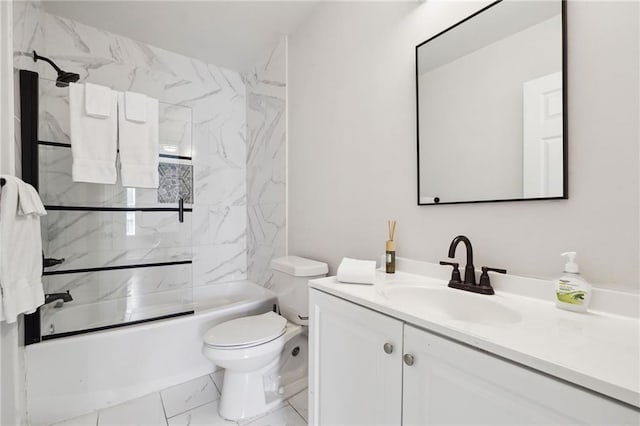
{"x": 125, "y": 253}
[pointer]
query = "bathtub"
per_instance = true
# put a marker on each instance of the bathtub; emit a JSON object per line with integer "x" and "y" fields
{"x": 71, "y": 376}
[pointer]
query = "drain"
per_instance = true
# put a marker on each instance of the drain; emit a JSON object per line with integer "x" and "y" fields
{"x": 295, "y": 351}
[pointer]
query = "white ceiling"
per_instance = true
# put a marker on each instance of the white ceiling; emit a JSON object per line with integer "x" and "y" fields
{"x": 232, "y": 34}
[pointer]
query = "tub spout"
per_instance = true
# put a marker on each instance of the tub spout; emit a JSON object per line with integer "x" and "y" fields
{"x": 58, "y": 298}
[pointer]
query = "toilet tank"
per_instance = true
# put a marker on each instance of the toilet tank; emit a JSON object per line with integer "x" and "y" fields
{"x": 291, "y": 275}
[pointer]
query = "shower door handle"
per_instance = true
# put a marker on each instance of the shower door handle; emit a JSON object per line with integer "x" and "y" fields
{"x": 181, "y": 210}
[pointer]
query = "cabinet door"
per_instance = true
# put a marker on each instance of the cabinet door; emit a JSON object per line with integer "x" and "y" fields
{"x": 352, "y": 379}
{"x": 451, "y": 383}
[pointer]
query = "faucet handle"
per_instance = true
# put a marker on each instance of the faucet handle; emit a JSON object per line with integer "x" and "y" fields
{"x": 484, "y": 277}
{"x": 455, "y": 274}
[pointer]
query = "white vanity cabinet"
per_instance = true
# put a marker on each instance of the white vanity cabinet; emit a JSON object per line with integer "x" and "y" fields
{"x": 451, "y": 383}
{"x": 355, "y": 357}
{"x": 427, "y": 379}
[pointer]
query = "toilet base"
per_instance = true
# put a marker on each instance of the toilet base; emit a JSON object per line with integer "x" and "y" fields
{"x": 243, "y": 394}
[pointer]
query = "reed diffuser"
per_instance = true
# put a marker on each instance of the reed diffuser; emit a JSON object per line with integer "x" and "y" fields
{"x": 390, "y": 257}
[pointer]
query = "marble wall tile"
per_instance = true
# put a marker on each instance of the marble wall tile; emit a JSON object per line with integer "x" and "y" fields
{"x": 266, "y": 163}
{"x": 58, "y": 188}
{"x": 73, "y": 234}
{"x": 115, "y": 257}
{"x": 28, "y": 33}
{"x": 93, "y": 287}
{"x": 203, "y": 114}
{"x": 175, "y": 129}
{"x": 219, "y": 263}
{"x": 227, "y": 224}
{"x": 200, "y": 225}
{"x": 219, "y": 185}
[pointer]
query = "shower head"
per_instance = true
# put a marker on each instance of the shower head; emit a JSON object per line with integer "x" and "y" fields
{"x": 64, "y": 77}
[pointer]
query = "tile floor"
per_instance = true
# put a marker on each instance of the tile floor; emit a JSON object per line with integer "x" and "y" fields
{"x": 193, "y": 403}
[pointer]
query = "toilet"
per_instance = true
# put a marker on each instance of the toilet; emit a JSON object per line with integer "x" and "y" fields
{"x": 249, "y": 348}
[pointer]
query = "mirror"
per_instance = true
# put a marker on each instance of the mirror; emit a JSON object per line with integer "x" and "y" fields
{"x": 491, "y": 103}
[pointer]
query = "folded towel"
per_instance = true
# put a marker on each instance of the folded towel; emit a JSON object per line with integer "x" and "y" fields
{"x": 29, "y": 202}
{"x": 139, "y": 147}
{"x": 20, "y": 249}
{"x": 97, "y": 100}
{"x": 135, "y": 107}
{"x": 94, "y": 140}
{"x": 357, "y": 271}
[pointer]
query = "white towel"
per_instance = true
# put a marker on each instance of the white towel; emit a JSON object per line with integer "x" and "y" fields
{"x": 135, "y": 107}
{"x": 94, "y": 140}
{"x": 139, "y": 146}
{"x": 20, "y": 249}
{"x": 357, "y": 271}
{"x": 29, "y": 202}
{"x": 97, "y": 100}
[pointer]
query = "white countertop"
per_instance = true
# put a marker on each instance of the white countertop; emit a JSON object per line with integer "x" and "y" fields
{"x": 598, "y": 351}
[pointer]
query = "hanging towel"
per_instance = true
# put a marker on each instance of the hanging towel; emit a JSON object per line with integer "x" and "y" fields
{"x": 135, "y": 107}
{"x": 20, "y": 249}
{"x": 94, "y": 139}
{"x": 97, "y": 100}
{"x": 357, "y": 271}
{"x": 29, "y": 202}
{"x": 138, "y": 145}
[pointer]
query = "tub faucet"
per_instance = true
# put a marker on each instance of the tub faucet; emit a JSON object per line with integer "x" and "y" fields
{"x": 469, "y": 270}
{"x": 58, "y": 298}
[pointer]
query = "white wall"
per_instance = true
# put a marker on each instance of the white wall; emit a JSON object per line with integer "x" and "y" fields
{"x": 12, "y": 376}
{"x": 7, "y": 155}
{"x": 353, "y": 156}
{"x": 12, "y": 388}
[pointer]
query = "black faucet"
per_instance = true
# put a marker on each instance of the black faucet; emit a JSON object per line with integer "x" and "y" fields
{"x": 55, "y": 297}
{"x": 469, "y": 270}
{"x": 469, "y": 283}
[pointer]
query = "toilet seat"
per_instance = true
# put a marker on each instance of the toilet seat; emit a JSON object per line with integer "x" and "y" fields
{"x": 246, "y": 332}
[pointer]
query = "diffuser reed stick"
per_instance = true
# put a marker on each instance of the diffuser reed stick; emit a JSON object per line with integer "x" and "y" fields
{"x": 391, "y": 224}
{"x": 390, "y": 257}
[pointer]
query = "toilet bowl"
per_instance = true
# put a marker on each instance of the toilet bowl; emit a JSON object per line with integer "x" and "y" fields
{"x": 247, "y": 348}
{"x": 250, "y": 348}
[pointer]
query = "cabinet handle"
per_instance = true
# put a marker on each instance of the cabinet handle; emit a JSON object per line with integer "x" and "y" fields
{"x": 388, "y": 348}
{"x": 408, "y": 359}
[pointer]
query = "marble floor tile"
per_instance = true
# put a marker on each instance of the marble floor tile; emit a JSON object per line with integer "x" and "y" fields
{"x": 300, "y": 402}
{"x": 145, "y": 411}
{"x": 86, "y": 420}
{"x": 205, "y": 415}
{"x": 185, "y": 396}
{"x": 285, "y": 416}
{"x": 193, "y": 403}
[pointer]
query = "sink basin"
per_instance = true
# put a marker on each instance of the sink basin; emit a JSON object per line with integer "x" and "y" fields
{"x": 449, "y": 303}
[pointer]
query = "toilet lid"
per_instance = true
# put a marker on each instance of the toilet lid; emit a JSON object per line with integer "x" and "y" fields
{"x": 251, "y": 330}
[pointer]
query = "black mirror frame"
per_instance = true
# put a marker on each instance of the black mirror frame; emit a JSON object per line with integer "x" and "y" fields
{"x": 565, "y": 128}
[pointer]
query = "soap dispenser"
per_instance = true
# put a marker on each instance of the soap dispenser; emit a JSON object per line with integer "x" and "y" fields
{"x": 573, "y": 292}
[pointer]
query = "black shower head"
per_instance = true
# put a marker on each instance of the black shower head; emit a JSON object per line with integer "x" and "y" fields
{"x": 64, "y": 78}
